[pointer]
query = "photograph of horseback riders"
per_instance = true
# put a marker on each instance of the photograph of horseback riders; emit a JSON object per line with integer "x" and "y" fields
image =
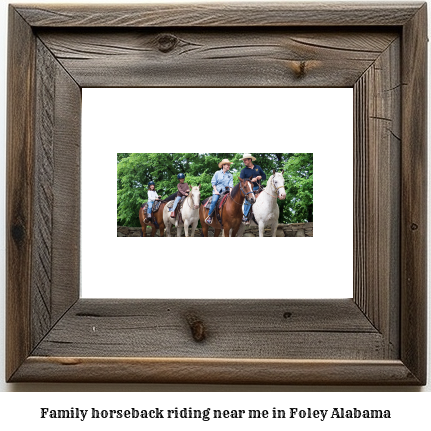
{"x": 215, "y": 194}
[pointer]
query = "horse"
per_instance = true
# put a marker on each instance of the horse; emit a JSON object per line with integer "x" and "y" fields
{"x": 189, "y": 214}
{"x": 158, "y": 216}
{"x": 265, "y": 210}
{"x": 231, "y": 213}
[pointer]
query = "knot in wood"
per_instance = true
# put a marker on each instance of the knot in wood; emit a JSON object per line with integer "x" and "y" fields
{"x": 197, "y": 327}
{"x": 167, "y": 42}
{"x": 414, "y": 226}
{"x": 300, "y": 69}
{"x": 287, "y": 314}
{"x": 18, "y": 233}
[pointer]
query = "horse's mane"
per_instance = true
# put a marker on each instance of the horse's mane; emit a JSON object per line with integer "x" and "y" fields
{"x": 234, "y": 191}
{"x": 270, "y": 179}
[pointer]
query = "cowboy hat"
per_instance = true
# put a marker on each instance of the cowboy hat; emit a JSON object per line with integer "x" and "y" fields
{"x": 224, "y": 162}
{"x": 248, "y": 156}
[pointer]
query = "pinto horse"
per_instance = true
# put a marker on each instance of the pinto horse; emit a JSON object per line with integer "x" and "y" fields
{"x": 158, "y": 216}
{"x": 231, "y": 214}
{"x": 189, "y": 214}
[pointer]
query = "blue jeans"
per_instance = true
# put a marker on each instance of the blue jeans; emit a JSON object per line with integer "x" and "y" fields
{"x": 177, "y": 199}
{"x": 150, "y": 208}
{"x": 247, "y": 204}
{"x": 213, "y": 204}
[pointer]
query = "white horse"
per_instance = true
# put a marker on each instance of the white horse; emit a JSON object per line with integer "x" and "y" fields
{"x": 189, "y": 213}
{"x": 265, "y": 210}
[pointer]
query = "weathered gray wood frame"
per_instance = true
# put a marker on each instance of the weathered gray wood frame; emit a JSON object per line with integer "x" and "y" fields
{"x": 378, "y": 337}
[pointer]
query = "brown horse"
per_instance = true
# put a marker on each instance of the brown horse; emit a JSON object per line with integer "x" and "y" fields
{"x": 231, "y": 214}
{"x": 159, "y": 218}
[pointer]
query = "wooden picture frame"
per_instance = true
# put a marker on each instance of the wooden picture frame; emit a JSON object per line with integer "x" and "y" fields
{"x": 378, "y": 337}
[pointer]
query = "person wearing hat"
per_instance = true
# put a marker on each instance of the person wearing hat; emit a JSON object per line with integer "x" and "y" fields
{"x": 256, "y": 174}
{"x": 183, "y": 190}
{"x": 152, "y": 197}
{"x": 221, "y": 181}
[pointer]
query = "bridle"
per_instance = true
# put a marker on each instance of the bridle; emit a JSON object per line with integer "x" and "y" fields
{"x": 243, "y": 192}
{"x": 188, "y": 203}
{"x": 275, "y": 188}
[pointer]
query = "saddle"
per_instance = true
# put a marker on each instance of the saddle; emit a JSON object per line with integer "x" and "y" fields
{"x": 220, "y": 203}
{"x": 155, "y": 208}
{"x": 144, "y": 207}
{"x": 222, "y": 199}
{"x": 178, "y": 215}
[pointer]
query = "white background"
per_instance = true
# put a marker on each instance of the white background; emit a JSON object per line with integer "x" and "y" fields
{"x": 219, "y": 120}
{"x": 22, "y": 409}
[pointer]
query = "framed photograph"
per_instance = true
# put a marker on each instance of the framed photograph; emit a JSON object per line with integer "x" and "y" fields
{"x": 376, "y": 337}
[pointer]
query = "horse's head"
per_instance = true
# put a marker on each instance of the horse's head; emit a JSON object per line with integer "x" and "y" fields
{"x": 246, "y": 187}
{"x": 195, "y": 194}
{"x": 278, "y": 184}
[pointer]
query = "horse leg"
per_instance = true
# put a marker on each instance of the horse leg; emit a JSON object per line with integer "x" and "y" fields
{"x": 202, "y": 219}
{"x": 194, "y": 228}
{"x": 217, "y": 232}
{"x": 205, "y": 229}
{"x": 186, "y": 228}
{"x": 274, "y": 229}
{"x": 235, "y": 231}
{"x": 261, "y": 228}
{"x": 179, "y": 231}
{"x": 153, "y": 231}
{"x": 162, "y": 230}
{"x": 240, "y": 231}
{"x": 204, "y": 225}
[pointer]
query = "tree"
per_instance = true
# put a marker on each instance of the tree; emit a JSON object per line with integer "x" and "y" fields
{"x": 299, "y": 188}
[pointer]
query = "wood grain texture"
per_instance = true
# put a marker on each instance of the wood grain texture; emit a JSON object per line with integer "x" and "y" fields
{"x": 414, "y": 195}
{"x": 216, "y": 57}
{"x": 67, "y": 199}
{"x": 55, "y": 277}
{"x": 43, "y": 193}
{"x": 19, "y": 198}
{"x": 220, "y": 15}
{"x": 215, "y": 371}
{"x": 238, "y": 329}
{"x": 377, "y": 146}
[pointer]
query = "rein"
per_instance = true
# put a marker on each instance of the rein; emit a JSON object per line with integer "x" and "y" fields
{"x": 243, "y": 192}
{"x": 188, "y": 203}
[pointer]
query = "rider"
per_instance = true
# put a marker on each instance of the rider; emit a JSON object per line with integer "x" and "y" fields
{"x": 152, "y": 197}
{"x": 183, "y": 190}
{"x": 256, "y": 174}
{"x": 221, "y": 181}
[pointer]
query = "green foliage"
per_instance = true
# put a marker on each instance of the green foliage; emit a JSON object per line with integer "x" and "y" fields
{"x": 136, "y": 170}
{"x": 299, "y": 188}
